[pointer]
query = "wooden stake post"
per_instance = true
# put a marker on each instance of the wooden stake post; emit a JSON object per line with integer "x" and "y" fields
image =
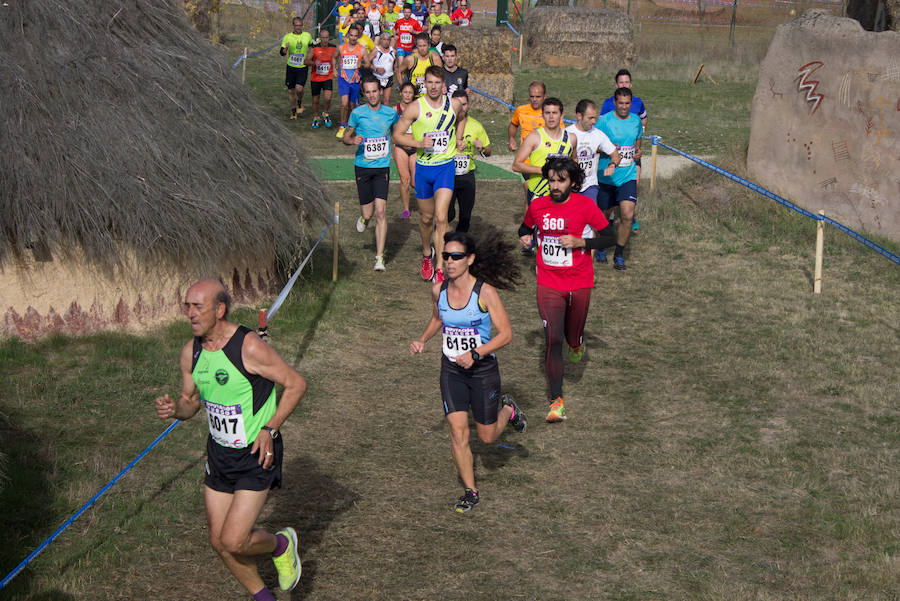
{"x": 820, "y": 248}
{"x": 335, "y": 232}
{"x": 244, "y": 66}
{"x": 263, "y": 324}
{"x": 654, "y": 146}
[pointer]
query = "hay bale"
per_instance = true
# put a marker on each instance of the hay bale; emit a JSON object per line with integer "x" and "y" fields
{"x": 499, "y": 85}
{"x": 482, "y": 49}
{"x": 131, "y": 151}
{"x": 579, "y": 37}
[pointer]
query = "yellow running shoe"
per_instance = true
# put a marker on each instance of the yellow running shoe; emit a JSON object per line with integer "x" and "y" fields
{"x": 576, "y": 353}
{"x": 288, "y": 563}
{"x": 340, "y": 132}
{"x": 557, "y": 411}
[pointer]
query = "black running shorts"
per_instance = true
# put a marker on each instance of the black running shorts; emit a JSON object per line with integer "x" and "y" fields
{"x": 478, "y": 388}
{"x": 315, "y": 87}
{"x": 295, "y": 76}
{"x": 372, "y": 183}
{"x": 228, "y": 470}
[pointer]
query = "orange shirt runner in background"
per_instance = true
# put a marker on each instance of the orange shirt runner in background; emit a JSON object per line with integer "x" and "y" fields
{"x": 527, "y": 120}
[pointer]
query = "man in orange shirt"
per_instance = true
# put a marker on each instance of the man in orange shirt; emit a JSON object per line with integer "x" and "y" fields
{"x": 527, "y": 118}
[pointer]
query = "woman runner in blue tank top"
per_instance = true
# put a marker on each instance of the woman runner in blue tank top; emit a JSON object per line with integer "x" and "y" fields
{"x": 466, "y": 307}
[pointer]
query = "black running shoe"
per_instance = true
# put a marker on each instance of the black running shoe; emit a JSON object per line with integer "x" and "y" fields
{"x": 518, "y": 420}
{"x": 467, "y": 501}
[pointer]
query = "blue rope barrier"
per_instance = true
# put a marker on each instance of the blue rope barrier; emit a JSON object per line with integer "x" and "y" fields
{"x": 511, "y": 27}
{"x": 287, "y": 287}
{"x": 84, "y": 508}
{"x": 251, "y": 55}
{"x": 655, "y": 140}
{"x": 494, "y": 98}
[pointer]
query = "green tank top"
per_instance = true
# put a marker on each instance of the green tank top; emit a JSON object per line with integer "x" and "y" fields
{"x": 238, "y": 403}
{"x": 546, "y": 149}
{"x": 440, "y": 124}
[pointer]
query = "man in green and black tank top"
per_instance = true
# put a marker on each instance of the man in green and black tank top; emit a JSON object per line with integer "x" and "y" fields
{"x": 228, "y": 370}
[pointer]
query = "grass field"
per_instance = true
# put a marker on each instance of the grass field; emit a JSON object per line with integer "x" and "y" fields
{"x": 731, "y": 436}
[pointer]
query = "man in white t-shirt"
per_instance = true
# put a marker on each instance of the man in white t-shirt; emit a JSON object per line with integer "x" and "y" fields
{"x": 591, "y": 141}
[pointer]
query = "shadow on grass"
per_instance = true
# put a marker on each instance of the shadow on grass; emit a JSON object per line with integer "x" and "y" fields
{"x": 310, "y": 504}
{"x": 25, "y": 502}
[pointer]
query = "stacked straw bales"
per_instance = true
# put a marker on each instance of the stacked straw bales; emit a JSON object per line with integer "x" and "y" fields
{"x": 486, "y": 52}
{"x": 579, "y": 37}
{"x": 135, "y": 162}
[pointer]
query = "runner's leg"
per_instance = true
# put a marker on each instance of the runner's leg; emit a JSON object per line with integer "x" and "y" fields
{"x": 552, "y": 309}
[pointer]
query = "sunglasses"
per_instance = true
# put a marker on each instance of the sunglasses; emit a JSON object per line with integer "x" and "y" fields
{"x": 455, "y": 256}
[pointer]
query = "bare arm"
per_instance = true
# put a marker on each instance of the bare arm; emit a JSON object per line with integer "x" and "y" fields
{"x": 399, "y": 136}
{"x": 434, "y": 324}
{"x": 511, "y": 133}
{"x": 519, "y": 165}
{"x": 350, "y": 138}
{"x": 188, "y": 402}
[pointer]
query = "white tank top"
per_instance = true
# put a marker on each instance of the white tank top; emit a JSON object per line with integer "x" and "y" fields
{"x": 386, "y": 61}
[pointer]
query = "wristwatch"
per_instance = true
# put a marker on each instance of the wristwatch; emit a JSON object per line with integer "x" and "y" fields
{"x": 475, "y": 356}
{"x": 272, "y": 432}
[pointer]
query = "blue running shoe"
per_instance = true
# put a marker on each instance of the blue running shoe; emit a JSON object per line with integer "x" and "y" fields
{"x": 619, "y": 263}
{"x": 601, "y": 256}
{"x": 315, "y": 123}
{"x": 635, "y": 227}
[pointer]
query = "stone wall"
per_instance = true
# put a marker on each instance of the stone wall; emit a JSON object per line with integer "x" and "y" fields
{"x": 825, "y": 124}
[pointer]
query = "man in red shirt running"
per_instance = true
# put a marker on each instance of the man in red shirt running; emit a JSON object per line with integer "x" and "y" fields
{"x": 462, "y": 16}
{"x": 565, "y": 275}
{"x": 406, "y": 29}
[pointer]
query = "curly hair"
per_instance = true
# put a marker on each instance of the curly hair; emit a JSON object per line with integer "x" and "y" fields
{"x": 495, "y": 261}
{"x": 560, "y": 164}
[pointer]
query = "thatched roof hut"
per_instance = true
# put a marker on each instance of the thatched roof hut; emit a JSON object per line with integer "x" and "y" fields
{"x": 579, "y": 37}
{"x": 133, "y": 162}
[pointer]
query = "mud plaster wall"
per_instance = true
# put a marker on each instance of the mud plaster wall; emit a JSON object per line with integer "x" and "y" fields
{"x": 825, "y": 125}
{"x": 70, "y": 297}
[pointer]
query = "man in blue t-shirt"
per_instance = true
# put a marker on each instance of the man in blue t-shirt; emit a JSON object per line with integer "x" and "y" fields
{"x": 624, "y": 129}
{"x": 369, "y": 129}
{"x": 623, "y": 80}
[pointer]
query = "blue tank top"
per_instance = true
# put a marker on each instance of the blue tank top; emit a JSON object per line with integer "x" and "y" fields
{"x": 463, "y": 329}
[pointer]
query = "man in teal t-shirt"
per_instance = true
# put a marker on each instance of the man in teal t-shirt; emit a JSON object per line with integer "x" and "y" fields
{"x": 369, "y": 129}
{"x": 295, "y": 46}
{"x": 624, "y": 129}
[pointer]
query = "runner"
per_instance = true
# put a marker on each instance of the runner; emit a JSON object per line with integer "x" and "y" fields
{"x": 382, "y": 59}
{"x": 527, "y": 118}
{"x": 369, "y": 130}
{"x": 324, "y": 67}
{"x": 547, "y": 142}
{"x": 391, "y": 14}
{"x": 413, "y": 66}
{"x": 470, "y": 376}
{"x": 565, "y": 275}
{"x": 351, "y": 57}
{"x": 406, "y": 29}
{"x": 436, "y": 45}
{"x": 343, "y": 24}
{"x": 420, "y": 12}
{"x": 462, "y": 16}
{"x": 295, "y": 46}
{"x": 623, "y": 80}
{"x": 438, "y": 16}
{"x": 403, "y": 155}
{"x": 476, "y": 140}
{"x": 624, "y": 129}
{"x": 455, "y": 77}
{"x": 435, "y": 131}
{"x": 231, "y": 371}
{"x": 373, "y": 21}
{"x": 590, "y": 142}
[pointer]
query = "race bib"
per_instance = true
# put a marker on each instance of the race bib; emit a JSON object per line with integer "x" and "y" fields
{"x": 626, "y": 153}
{"x": 586, "y": 161}
{"x": 463, "y": 22}
{"x": 459, "y": 340}
{"x": 297, "y": 60}
{"x": 350, "y": 62}
{"x": 440, "y": 141}
{"x": 226, "y": 425}
{"x": 554, "y": 254}
{"x": 420, "y": 85}
{"x": 323, "y": 68}
{"x": 405, "y": 38}
{"x": 462, "y": 164}
{"x": 375, "y": 148}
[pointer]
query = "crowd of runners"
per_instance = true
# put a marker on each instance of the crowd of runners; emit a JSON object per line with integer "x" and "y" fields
{"x": 577, "y": 181}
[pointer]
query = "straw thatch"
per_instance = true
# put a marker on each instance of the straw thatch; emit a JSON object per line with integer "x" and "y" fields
{"x": 130, "y": 148}
{"x": 579, "y": 37}
{"x": 486, "y": 52}
{"x": 482, "y": 49}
